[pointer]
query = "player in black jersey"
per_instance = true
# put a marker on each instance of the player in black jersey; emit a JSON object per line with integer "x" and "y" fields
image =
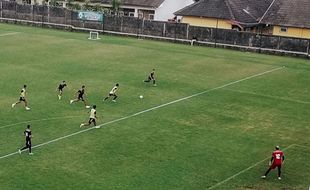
{"x": 28, "y": 136}
{"x": 61, "y": 89}
{"x": 80, "y": 97}
{"x": 151, "y": 77}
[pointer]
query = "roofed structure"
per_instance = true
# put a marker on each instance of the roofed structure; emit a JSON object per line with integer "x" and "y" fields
{"x": 243, "y": 11}
{"x": 294, "y": 13}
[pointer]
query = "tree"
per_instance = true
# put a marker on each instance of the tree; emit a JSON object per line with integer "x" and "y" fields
{"x": 86, "y": 6}
{"x": 116, "y": 5}
{"x": 53, "y": 3}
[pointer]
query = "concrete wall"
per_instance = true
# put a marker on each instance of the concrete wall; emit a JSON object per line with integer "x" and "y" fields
{"x": 206, "y": 22}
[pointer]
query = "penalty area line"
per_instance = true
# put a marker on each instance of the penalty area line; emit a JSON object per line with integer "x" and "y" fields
{"x": 148, "y": 110}
{"x": 8, "y": 34}
{"x": 302, "y": 146}
{"x": 246, "y": 169}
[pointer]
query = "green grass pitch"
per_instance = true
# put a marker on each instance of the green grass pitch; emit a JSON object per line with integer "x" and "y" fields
{"x": 216, "y": 140}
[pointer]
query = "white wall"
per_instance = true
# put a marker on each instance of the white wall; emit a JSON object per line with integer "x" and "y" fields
{"x": 168, "y": 7}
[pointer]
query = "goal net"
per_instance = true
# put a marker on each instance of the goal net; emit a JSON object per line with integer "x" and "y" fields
{"x": 93, "y": 35}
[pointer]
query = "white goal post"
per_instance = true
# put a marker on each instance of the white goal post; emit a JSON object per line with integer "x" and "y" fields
{"x": 93, "y": 35}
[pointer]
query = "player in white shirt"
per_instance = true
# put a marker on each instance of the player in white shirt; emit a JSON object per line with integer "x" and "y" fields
{"x": 112, "y": 93}
{"x": 92, "y": 118}
{"x": 22, "y": 98}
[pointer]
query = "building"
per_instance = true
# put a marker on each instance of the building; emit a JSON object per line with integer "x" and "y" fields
{"x": 276, "y": 17}
{"x": 225, "y": 14}
{"x": 148, "y": 9}
{"x": 161, "y": 10}
{"x": 288, "y": 18}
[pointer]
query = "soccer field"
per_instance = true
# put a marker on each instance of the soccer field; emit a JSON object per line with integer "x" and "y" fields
{"x": 211, "y": 122}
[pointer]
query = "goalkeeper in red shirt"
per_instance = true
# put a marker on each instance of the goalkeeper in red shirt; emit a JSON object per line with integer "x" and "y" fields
{"x": 276, "y": 161}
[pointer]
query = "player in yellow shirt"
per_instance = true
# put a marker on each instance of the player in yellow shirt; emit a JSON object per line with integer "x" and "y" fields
{"x": 22, "y": 98}
{"x": 112, "y": 93}
{"x": 92, "y": 118}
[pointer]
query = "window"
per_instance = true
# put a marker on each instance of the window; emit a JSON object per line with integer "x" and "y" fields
{"x": 140, "y": 15}
{"x": 132, "y": 14}
{"x": 283, "y": 29}
{"x": 151, "y": 16}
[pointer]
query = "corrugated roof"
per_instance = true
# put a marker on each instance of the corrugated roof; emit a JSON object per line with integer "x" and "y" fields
{"x": 294, "y": 13}
{"x": 244, "y": 11}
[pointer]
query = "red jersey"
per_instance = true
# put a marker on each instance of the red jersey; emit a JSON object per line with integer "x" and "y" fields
{"x": 277, "y": 157}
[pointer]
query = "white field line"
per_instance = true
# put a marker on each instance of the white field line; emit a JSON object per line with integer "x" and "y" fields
{"x": 35, "y": 120}
{"x": 302, "y": 146}
{"x": 252, "y": 166}
{"x": 8, "y": 34}
{"x": 147, "y": 110}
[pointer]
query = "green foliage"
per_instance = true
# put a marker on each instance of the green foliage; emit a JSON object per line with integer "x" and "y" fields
{"x": 116, "y": 5}
{"x": 75, "y": 6}
{"x": 54, "y": 3}
{"x": 87, "y": 6}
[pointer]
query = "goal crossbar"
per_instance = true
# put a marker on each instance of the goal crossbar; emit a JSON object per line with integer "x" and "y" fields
{"x": 93, "y": 35}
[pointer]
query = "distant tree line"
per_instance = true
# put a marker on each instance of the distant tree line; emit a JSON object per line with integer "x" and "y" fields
{"x": 86, "y": 5}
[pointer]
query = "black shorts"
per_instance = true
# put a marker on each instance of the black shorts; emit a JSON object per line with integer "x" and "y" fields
{"x": 60, "y": 89}
{"x": 92, "y": 120}
{"x": 112, "y": 94}
{"x": 22, "y": 99}
{"x": 151, "y": 78}
{"x": 80, "y": 98}
{"x": 28, "y": 143}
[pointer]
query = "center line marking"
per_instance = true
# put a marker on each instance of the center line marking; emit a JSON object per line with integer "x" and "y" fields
{"x": 147, "y": 110}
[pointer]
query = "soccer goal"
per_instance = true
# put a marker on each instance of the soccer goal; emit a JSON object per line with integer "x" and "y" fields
{"x": 93, "y": 35}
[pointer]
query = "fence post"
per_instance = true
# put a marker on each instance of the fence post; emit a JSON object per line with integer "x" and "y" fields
{"x": 279, "y": 42}
{"x": 217, "y": 24}
{"x": 187, "y": 31}
{"x": 142, "y": 27}
{"x": 32, "y": 17}
{"x": 1, "y": 8}
{"x": 48, "y": 13}
{"x": 65, "y": 17}
{"x": 260, "y": 39}
{"x": 103, "y": 20}
{"x": 121, "y": 22}
{"x": 43, "y": 15}
{"x": 138, "y": 27}
{"x": 175, "y": 32}
{"x": 164, "y": 29}
{"x": 308, "y": 48}
{"x": 15, "y": 12}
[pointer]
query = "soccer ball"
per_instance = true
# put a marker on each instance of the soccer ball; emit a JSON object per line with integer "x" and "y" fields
{"x": 140, "y": 96}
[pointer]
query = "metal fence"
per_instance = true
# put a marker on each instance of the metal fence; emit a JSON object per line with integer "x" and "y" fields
{"x": 56, "y": 17}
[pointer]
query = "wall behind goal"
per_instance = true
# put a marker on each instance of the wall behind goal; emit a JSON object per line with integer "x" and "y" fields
{"x": 58, "y": 17}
